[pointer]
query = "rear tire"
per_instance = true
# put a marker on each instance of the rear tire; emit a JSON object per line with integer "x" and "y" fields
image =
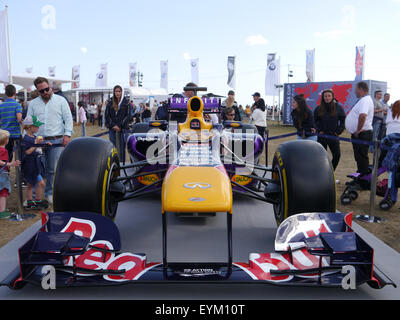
{"x": 305, "y": 174}
{"x": 83, "y": 178}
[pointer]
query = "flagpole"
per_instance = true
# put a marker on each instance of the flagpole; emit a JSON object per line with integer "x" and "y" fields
{"x": 9, "y": 49}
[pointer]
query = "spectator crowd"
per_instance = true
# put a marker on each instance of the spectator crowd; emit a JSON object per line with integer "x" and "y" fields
{"x": 47, "y": 125}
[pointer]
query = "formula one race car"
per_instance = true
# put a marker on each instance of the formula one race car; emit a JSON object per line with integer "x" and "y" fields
{"x": 197, "y": 167}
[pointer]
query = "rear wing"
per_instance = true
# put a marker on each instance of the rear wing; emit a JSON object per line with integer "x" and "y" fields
{"x": 179, "y": 105}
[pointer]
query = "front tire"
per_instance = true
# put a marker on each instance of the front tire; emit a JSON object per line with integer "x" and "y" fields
{"x": 304, "y": 172}
{"x": 83, "y": 177}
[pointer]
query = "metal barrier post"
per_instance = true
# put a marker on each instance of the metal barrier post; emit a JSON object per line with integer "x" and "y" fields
{"x": 374, "y": 177}
{"x": 266, "y": 146}
{"x": 20, "y": 216}
{"x": 20, "y": 206}
{"x": 117, "y": 143}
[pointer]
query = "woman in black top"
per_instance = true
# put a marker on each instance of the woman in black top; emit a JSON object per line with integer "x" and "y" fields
{"x": 303, "y": 119}
{"x": 330, "y": 120}
{"x": 117, "y": 119}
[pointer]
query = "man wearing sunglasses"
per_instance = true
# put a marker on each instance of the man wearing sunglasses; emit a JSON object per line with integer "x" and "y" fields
{"x": 55, "y": 112}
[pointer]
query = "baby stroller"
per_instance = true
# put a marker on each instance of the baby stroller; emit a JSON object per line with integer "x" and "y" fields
{"x": 360, "y": 183}
{"x": 386, "y": 188}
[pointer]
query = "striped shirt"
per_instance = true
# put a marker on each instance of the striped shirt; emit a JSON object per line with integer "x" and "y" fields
{"x": 8, "y": 116}
{"x": 55, "y": 114}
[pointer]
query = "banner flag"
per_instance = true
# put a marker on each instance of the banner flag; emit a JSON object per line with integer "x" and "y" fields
{"x": 360, "y": 63}
{"x": 310, "y": 65}
{"x": 133, "y": 75}
{"x": 164, "y": 75}
{"x": 52, "y": 71}
{"x": 76, "y": 75}
{"x": 232, "y": 72}
{"x": 273, "y": 75}
{"x": 4, "y": 73}
{"x": 101, "y": 77}
{"x": 194, "y": 63}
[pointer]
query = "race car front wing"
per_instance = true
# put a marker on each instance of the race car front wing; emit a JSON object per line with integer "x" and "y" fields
{"x": 83, "y": 249}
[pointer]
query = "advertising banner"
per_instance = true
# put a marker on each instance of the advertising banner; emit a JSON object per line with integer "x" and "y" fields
{"x": 4, "y": 76}
{"x": 101, "y": 77}
{"x": 133, "y": 75}
{"x": 310, "y": 65}
{"x": 272, "y": 77}
{"x": 52, "y": 72}
{"x": 76, "y": 75}
{"x": 164, "y": 75}
{"x": 232, "y": 72}
{"x": 344, "y": 93}
{"x": 194, "y": 63}
{"x": 360, "y": 63}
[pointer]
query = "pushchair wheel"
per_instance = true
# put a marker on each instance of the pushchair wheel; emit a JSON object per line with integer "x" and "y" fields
{"x": 353, "y": 195}
{"x": 346, "y": 199}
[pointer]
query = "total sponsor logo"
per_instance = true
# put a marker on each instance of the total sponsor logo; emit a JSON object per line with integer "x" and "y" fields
{"x": 148, "y": 179}
{"x": 241, "y": 180}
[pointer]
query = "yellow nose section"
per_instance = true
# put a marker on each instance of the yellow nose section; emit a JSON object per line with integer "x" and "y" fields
{"x": 196, "y": 189}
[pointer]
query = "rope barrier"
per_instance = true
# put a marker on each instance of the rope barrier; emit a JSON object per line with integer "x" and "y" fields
{"x": 356, "y": 141}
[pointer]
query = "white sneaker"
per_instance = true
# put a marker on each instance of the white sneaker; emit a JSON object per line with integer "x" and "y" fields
{"x": 49, "y": 199}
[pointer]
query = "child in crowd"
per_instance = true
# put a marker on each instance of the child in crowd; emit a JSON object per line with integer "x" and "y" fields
{"x": 32, "y": 165}
{"x": 5, "y": 185}
{"x": 82, "y": 117}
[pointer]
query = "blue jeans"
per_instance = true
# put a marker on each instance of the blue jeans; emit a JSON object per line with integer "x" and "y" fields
{"x": 146, "y": 120}
{"x": 51, "y": 156}
{"x": 377, "y": 126}
{"x": 312, "y": 138}
{"x": 121, "y": 148}
{"x": 83, "y": 129}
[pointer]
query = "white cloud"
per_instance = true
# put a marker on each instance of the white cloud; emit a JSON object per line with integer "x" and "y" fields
{"x": 187, "y": 56}
{"x": 84, "y": 50}
{"x": 256, "y": 40}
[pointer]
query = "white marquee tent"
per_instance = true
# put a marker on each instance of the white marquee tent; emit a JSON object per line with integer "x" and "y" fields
{"x": 26, "y": 80}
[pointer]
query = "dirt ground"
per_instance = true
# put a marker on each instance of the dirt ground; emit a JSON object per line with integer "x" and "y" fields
{"x": 388, "y": 231}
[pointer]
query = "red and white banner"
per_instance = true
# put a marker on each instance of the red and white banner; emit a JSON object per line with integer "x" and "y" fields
{"x": 76, "y": 75}
{"x": 360, "y": 63}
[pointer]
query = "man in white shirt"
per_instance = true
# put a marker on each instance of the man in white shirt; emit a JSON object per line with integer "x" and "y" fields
{"x": 58, "y": 128}
{"x": 359, "y": 124}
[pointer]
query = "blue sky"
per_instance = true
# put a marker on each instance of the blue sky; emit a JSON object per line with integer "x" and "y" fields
{"x": 119, "y": 32}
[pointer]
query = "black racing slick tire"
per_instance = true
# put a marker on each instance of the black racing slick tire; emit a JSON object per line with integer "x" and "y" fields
{"x": 306, "y": 178}
{"x": 82, "y": 181}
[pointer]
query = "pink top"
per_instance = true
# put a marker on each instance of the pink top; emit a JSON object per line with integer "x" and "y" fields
{"x": 82, "y": 115}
